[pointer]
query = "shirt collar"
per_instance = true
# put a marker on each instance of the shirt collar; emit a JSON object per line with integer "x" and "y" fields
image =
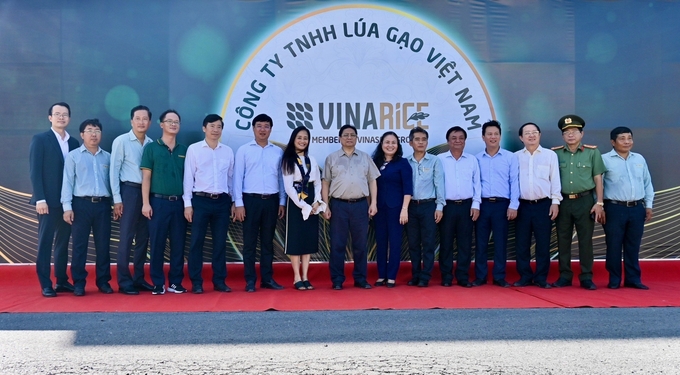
{"x": 203, "y": 143}
{"x": 66, "y": 137}
{"x": 133, "y": 137}
{"x": 82, "y": 148}
{"x": 254, "y": 143}
{"x": 426, "y": 157}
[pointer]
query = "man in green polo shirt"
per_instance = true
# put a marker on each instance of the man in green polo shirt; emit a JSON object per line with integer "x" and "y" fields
{"x": 581, "y": 169}
{"x": 162, "y": 176}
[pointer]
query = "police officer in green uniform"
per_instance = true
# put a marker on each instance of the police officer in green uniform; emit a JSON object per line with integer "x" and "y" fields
{"x": 581, "y": 169}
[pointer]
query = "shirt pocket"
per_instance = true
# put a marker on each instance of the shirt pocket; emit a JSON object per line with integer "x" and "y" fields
{"x": 543, "y": 172}
{"x": 425, "y": 173}
{"x": 638, "y": 171}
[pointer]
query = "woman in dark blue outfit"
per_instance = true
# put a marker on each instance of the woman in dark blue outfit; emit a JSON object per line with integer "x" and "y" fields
{"x": 395, "y": 187}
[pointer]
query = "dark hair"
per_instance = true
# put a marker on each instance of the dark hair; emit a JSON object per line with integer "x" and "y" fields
{"x": 212, "y": 118}
{"x": 140, "y": 108}
{"x": 415, "y": 130}
{"x": 61, "y": 104}
{"x": 290, "y": 153}
{"x": 521, "y": 128}
{"x": 379, "y": 154}
{"x": 342, "y": 129}
{"x": 619, "y": 130}
{"x": 94, "y": 122}
{"x": 455, "y": 129}
{"x": 263, "y": 118}
{"x": 162, "y": 118}
{"x": 489, "y": 124}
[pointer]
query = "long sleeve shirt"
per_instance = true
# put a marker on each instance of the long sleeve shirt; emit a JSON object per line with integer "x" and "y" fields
{"x": 126, "y": 156}
{"x": 428, "y": 179}
{"x": 627, "y": 179}
{"x": 257, "y": 170}
{"x": 85, "y": 175}
{"x": 461, "y": 178}
{"x": 539, "y": 175}
{"x": 499, "y": 175}
{"x": 207, "y": 170}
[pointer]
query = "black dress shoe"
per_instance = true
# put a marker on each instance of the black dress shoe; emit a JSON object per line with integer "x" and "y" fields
{"x": 380, "y": 283}
{"x": 197, "y": 289}
{"x": 64, "y": 288}
{"x": 250, "y": 287}
{"x": 362, "y": 285}
{"x": 391, "y": 284}
{"x": 224, "y": 288}
{"x": 48, "y": 292}
{"x": 502, "y": 283}
{"x": 130, "y": 291}
{"x": 542, "y": 284}
{"x": 522, "y": 283}
{"x": 447, "y": 283}
{"x": 413, "y": 282}
{"x": 464, "y": 283}
{"x": 422, "y": 283}
{"x": 613, "y": 286}
{"x": 479, "y": 282}
{"x": 337, "y": 286}
{"x": 79, "y": 291}
{"x": 588, "y": 285}
{"x": 143, "y": 286}
{"x": 636, "y": 286}
{"x": 561, "y": 283}
{"x": 105, "y": 288}
{"x": 271, "y": 285}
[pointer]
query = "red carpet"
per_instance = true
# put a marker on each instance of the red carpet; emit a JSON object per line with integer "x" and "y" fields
{"x": 21, "y": 293}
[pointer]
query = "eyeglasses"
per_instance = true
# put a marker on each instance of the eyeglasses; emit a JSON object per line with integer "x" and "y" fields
{"x": 171, "y": 122}
{"x": 60, "y": 115}
{"x": 531, "y": 133}
{"x": 92, "y": 131}
{"x": 349, "y": 135}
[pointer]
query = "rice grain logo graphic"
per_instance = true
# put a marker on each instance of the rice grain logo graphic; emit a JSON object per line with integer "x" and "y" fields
{"x": 373, "y": 67}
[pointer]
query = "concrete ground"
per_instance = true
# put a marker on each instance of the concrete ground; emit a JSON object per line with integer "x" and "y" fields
{"x": 517, "y": 341}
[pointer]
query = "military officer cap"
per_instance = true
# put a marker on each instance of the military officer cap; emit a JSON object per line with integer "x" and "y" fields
{"x": 571, "y": 121}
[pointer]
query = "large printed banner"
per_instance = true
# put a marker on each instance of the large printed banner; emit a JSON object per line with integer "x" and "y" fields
{"x": 322, "y": 64}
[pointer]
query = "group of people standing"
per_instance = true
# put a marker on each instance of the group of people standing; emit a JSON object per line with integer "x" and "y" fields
{"x": 155, "y": 188}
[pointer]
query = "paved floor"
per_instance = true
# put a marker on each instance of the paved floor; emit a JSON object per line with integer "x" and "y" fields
{"x": 542, "y": 341}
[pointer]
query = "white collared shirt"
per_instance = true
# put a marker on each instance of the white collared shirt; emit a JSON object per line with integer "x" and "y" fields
{"x": 63, "y": 142}
{"x": 208, "y": 170}
{"x": 539, "y": 175}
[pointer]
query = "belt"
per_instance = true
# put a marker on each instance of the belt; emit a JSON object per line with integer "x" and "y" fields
{"x": 534, "y": 201}
{"x": 625, "y": 203}
{"x": 350, "y": 200}
{"x": 458, "y": 201}
{"x": 133, "y": 184}
{"x": 421, "y": 201}
{"x": 94, "y": 199}
{"x": 171, "y": 198}
{"x": 209, "y": 195}
{"x": 577, "y": 195}
{"x": 495, "y": 199}
{"x": 261, "y": 196}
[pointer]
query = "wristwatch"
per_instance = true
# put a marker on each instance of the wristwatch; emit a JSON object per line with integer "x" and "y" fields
{"x": 601, "y": 204}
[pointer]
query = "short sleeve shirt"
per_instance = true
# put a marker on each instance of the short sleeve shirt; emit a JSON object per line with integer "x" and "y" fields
{"x": 167, "y": 167}
{"x": 577, "y": 169}
{"x": 348, "y": 176}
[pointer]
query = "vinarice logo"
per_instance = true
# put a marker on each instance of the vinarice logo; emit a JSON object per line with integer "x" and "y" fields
{"x": 373, "y": 67}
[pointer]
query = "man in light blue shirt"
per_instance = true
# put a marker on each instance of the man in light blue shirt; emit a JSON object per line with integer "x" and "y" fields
{"x": 126, "y": 187}
{"x": 259, "y": 200}
{"x": 86, "y": 200}
{"x": 499, "y": 171}
{"x": 628, "y": 199}
{"x": 463, "y": 197}
{"x": 425, "y": 210}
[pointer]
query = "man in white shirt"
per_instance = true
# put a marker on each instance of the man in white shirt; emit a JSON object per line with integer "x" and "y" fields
{"x": 208, "y": 173}
{"x": 540, "y": 196}
{"x": 259, "y": 199}
{"x": 463, "y": 197}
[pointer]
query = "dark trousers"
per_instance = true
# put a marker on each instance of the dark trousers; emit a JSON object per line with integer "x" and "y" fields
{"x": 96, "y": 217}
{"x": 493, "y": 217}
{"x": 388, "y": 234}
{"x": 421, "y": 231}
{"x": 260, "y": 221}
{"x": 533, "y": 219}
{"x": 213, "y": 212}
{"x": 348, "y": 218}
{"x": 167, "y": 220}
{"x": 456, "y": 224}
{"x": 133, "y": 226}
{"x": 52, "y": 229}
{"x": 623, "y": 231}
{"x": 576, "y": 213}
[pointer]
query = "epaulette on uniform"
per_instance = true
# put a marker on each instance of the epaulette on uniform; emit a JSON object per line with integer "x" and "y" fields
{"x": 557, "y": 147}
{"x": 589, "y": 146}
